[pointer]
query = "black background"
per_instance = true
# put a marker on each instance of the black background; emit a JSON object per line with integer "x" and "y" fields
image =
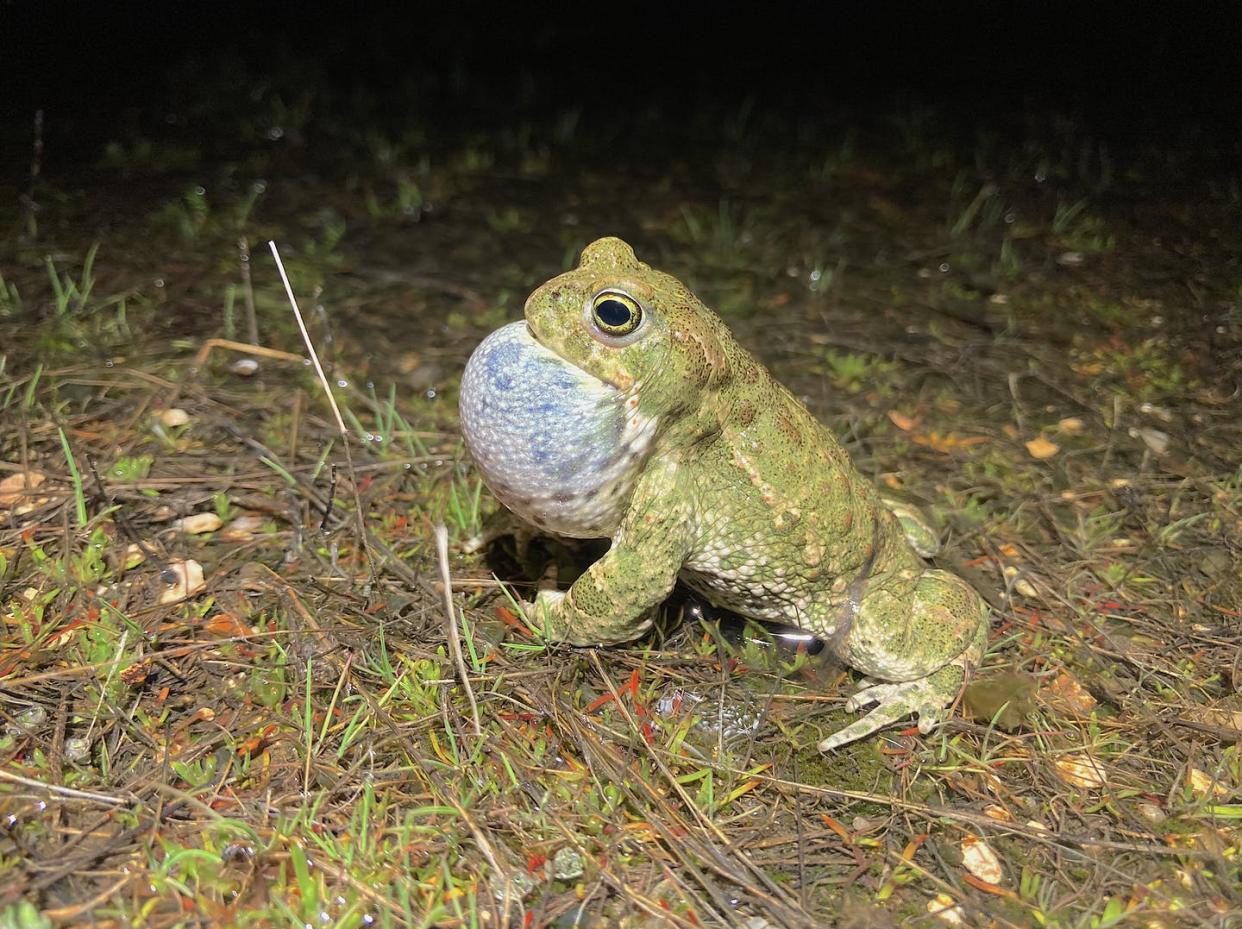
{"x": 1132, "y": 70}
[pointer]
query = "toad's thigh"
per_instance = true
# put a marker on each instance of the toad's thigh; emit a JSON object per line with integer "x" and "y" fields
{"x": 907, "y": 631}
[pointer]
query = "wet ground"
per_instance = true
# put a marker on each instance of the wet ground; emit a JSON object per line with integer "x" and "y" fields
{"x": 1028, "y": 327}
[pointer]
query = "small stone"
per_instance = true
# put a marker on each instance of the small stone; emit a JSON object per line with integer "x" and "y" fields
{"x": 567, "y": 864}
{"x": 174, "y": 417}
{"x": 182, "y": 579}
{"x": 515, "y": 889}
{"x": 32, "y": 717}
{"x": 1150, "y": 812}
{"x": 198, "y": 524}
{"x": 77, "y": 749}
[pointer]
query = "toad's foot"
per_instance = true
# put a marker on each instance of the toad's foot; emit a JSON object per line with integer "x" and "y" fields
{"x": 546, "y": 617}
{"x": 928, "y": 697}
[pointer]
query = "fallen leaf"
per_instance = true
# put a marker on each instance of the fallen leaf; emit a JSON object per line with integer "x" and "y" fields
{"x": 198, "y": 524}
{"x": 998, "y": 813}
{"x": 1154, "y": 439}
{"x": 1040, "y": 448}
{"x": 182, "y": 579}
{"x": 1004, "y": 698}
{"x": 947, "y": 442}
{"x": 226, "y": 625}
{"x": 134, "y": 555}
{"x": 1201, "y": 784}
{"x": 945, "y": 909}
{"x": 17, "y": 488}
{"x": 243, "y": 528}
{"x": 1227, "y": 717}
{"x": 1079, "y": 770}
{"x": 901, "y": 421}
{"x": 1068, "y": 696}
{"x": 979, "y": 859}
{"x": 1019, "y": 583}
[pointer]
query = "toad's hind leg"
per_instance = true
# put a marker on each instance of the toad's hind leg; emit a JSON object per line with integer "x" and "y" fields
{"x": 919, "y": 644}
{"x": 928, "y": 697}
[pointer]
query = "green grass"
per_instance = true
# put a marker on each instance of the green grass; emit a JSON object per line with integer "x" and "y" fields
{"x": 292, "y": 746}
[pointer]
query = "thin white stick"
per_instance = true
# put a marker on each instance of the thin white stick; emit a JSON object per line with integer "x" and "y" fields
{"x": 310, "y": 346}
{"x": 450, "y": 615}
{"x": 57, "y": 789}
{"x": 340, "y": 422}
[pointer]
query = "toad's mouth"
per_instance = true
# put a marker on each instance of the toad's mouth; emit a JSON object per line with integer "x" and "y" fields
{"x": 534, "y": 337}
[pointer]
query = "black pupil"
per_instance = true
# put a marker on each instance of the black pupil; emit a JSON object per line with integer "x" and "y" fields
{"x": 613, "y": 313}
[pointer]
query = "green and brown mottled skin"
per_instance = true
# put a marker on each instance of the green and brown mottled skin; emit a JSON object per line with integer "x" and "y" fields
{"x": 752, "y": 502}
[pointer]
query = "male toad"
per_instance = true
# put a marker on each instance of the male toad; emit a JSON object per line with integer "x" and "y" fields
{"x": 622, "y": 407}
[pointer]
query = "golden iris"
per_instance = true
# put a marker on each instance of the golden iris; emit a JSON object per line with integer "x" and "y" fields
{"x": 616, "y": 313}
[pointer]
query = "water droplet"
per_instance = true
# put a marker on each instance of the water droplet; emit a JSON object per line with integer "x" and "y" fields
{"x": 944, "y": 267}
{"x": 430, "y": 393}
{"x": 1040, "y": 177}
{"x": 816, "y": 275}
{"x": 1011, "y": 217}
{"x": 200, "y": 191}
{"x": 159, "y": 282}
{"x": 259, "y": 186}
{"x": 341, "y": 382}
{"x": 276, "y": 133}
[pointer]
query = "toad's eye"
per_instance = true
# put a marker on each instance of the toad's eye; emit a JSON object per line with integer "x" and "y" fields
{"x": 615, "y": 313}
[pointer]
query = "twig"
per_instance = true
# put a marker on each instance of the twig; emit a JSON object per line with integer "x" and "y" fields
{"x": 72, "y": 912}
{"x": 450, "y": 619}
{"x": 252, "y": 322}
{"x": 336, "y": 411}
{"x": 57, "y": 789}
{"x": 36, "y": 168}
{"x": 201, "y": 358}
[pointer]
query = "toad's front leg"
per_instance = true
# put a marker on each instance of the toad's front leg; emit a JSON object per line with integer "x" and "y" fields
{"x": 614, "y": 601}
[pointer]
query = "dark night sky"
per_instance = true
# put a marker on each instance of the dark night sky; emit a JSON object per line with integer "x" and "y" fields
{"x": 1130, "y": 67}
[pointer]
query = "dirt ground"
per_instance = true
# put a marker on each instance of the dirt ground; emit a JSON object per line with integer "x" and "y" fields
{"x": 227, "y": 695}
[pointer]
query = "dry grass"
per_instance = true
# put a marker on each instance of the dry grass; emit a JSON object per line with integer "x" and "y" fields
{"x": 292, "y": 744}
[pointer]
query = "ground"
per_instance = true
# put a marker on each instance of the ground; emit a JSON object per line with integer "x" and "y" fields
{"x": 1030, "y": 332}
